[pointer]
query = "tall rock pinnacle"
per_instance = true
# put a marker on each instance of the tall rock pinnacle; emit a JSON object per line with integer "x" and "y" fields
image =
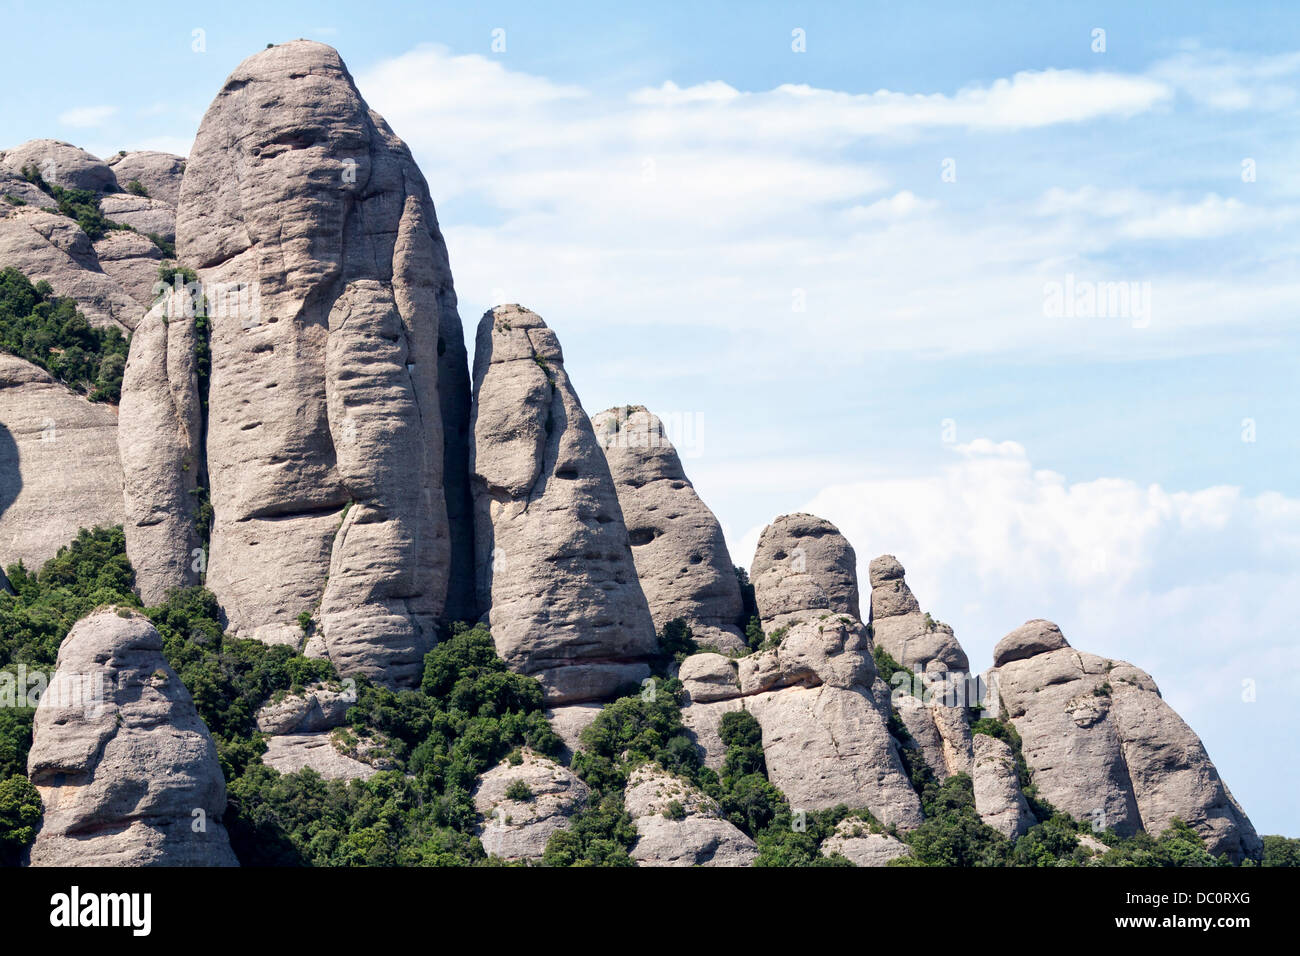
{"x": 554, "y": 565}
{"x": 333, "y": 325}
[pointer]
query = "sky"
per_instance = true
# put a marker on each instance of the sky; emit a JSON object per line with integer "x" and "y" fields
{"x": 1010, "y": 294}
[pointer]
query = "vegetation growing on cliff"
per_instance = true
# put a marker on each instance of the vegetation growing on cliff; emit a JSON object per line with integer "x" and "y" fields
{"x": 48, "y": 331}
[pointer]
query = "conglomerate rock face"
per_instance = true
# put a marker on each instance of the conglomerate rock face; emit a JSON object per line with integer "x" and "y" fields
{"x": 126, "y": 769}
{"x": 1103, "y": 745}
{"x": 521, "y": 804}
{"x": 681, "y": 555}
{"x": 328, "y": 301}
{"x": 552, "y": 556}
{"x": 59, "y": 468}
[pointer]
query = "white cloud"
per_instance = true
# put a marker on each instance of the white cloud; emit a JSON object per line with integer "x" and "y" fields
{"x": 1143, "y": 215}
{"x": 83, "y": 117}
{"x": 715, "y": 207}
{"x": 1225, "y": 80}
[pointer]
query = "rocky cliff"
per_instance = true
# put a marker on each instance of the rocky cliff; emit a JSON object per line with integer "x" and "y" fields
{"x": 330, "y": 312}
{"x": 307, "y": 375}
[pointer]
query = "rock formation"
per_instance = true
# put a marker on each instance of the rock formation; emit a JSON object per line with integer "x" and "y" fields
{"x": 678, "y": 825}
{"x": 1103, "y": 745}
{"x": 552, "y": 557}
{"x": 803, "y": 567}
{"x": 291, "y": 752}
{"x": 60, "y": 164}
{"x": 854, "y": 841}
{"x": 112, "y": 278}
{"x": 516, "y": 826}
{"x": 910, "y": 637}
{"x": 45, "y": 427}
{"x": 998, "y": 798}
{"x": 825, "y": 739}
{"x": 681, "y": 556}
{"x": 125, "y": 768}
{"x": 328, "y": 293}
{"x": 938, "y": 726}
{"x": 160, "y": 444}
{"x": 159, "y": 173}
{"x": 47, "y": 246}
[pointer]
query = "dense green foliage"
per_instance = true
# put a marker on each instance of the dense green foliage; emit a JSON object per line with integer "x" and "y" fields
{"x": 80, "y": 205}
{"x": 20, "y": 813}
{"x": 1281, "y": 851}
{"x": 469, "y": 713}
{"x": 49, "y": 331}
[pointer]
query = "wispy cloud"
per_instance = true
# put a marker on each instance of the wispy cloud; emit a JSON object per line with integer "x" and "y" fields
{"x": 83, "y": 117}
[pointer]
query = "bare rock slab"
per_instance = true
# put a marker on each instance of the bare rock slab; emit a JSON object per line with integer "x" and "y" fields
{"x": 126, "y": 769}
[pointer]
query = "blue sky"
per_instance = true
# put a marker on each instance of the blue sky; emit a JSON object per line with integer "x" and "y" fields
{"x": 761, "y": 245}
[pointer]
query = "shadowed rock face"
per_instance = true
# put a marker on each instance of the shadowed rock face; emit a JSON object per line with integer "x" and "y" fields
{"x": 331, "y": 311}
{"x": 553, "y": 562}
{"x": 1103, "y": 745}
{"x": 899, "y": 626}
{"x": 803, "y": 567}
{"x": 681, "y": 556}
{"x": 125, "y": 767}
{"x": 45, "y": 430}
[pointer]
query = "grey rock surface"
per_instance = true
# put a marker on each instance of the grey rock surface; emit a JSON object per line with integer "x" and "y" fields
{"x": 160, "y": 443}
{"x": 325, "y": 274}
{"x": 854, "y": 841}
{"x": 132, "y": 261}
{"x": 518, "y": 829}
{"x": 1102, "y": 745}
{"x": 145, "y": 216}
{"x": 50, "y": 247}
{"x": 803, "y": 567}
{"x": 553, "y": 561}
{"x": 825, "y": 737}
{"x": 159, "y": 173}
{"x": 678, "y": 825}
{"x": 998, "y": 798}
{"x": 290, "y": 753}
{"x": 60, "y": 164}
{"x": 569, "y": 723}
{"x": 681, "y": 556}
{"x": 126, "y": 769}
{"x": 898, "y": 625}
{"x": 43, "y": 427}
{"x": 319, "y": 707}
